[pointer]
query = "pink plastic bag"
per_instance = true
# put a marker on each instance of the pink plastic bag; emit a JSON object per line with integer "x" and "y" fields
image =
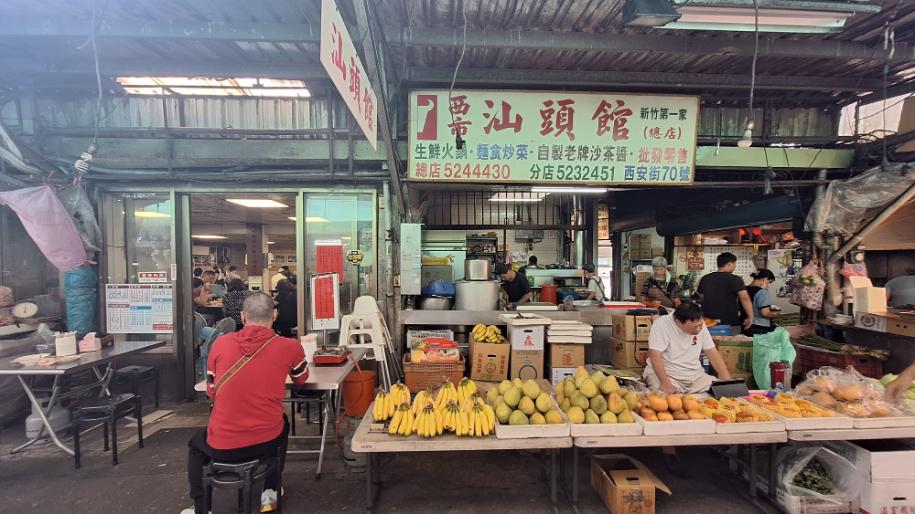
{"x": 49, "y": 225}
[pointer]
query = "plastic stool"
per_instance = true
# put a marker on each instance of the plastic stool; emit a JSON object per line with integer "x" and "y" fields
{"x": 129, "y": 379}
{"x": 242, "y": 477}
{"x": 108, "y": 411}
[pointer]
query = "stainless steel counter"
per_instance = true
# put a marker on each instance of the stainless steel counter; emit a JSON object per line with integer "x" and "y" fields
{"x": 594, "y": 316}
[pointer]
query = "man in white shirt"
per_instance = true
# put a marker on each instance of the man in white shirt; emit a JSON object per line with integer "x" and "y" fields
{"x": 674, "y": 347}
{"x": 283, "y": 273}
{"x": 595, "y": 285}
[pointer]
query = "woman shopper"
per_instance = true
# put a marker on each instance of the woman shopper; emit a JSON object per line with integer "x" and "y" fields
{"x": 762, "y": 305}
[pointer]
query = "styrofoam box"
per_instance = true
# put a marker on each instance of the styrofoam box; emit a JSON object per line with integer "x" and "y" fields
{"x": 600, "y": 430}
{"x": 532, "y": 431}
{"x": 816, "y": 504}
{"x": 557, "y": 375}
{"x": 880, "y": 460}
{"x": 887, "y": 497}
{"x": 681, "y": 427}
{"x": 890, "y": 422}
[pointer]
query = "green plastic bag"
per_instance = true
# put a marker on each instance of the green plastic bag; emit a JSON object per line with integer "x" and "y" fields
{"x": 772, "y": 347}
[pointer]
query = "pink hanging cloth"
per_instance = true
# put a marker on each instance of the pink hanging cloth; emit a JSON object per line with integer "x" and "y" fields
{"x": 49, "y": 224}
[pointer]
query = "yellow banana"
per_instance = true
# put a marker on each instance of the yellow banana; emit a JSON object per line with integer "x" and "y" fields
{"x": 439, "y": 422}
{"x": 392, "y": 428}
{"x": 490, "y": 417}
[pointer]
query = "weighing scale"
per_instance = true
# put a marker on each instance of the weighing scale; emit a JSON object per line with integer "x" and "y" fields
{"x": 333, "y": 356}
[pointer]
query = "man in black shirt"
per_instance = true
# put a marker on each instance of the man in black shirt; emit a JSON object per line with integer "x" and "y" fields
{"x": 721, "y": 290}
{"x": 514, "y": 284}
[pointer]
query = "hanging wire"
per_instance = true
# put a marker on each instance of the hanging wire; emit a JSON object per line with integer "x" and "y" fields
{"x": 458, "y": 141}
{"x": 755, "y": 54}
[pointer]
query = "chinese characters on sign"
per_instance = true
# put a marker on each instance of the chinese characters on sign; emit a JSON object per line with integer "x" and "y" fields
{"x": 138, "y": 308}
{"x": 552, "y": 137}
{"x": 339, "y": 57}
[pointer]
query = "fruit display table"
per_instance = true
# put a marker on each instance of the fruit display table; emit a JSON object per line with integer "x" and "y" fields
{"x": 852, "y": 434}
{"x": 372, "y": 443}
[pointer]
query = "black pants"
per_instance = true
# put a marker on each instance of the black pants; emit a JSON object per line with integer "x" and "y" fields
{"x": 199, "y": 454}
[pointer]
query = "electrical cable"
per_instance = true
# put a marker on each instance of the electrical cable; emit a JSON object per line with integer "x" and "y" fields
{"x": 459, "y": 143}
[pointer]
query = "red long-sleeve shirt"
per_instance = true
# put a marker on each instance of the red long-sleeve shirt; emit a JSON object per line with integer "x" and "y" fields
{"x": 248, "y": 409}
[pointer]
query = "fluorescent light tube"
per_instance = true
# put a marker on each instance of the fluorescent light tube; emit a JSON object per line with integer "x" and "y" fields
{"x": 260, "y": 203}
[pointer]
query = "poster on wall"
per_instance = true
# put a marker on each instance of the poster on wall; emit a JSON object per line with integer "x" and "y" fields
{"x": 329, "y": 259}
{"x": 138, "y": 308}
{"x": 552, "y": 137}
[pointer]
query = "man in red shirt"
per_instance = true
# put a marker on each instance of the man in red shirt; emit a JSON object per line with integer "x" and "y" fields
{"x": 246, "y": 378}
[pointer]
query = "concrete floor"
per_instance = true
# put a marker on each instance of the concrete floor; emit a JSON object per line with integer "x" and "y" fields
{"x": 153, "y": 479}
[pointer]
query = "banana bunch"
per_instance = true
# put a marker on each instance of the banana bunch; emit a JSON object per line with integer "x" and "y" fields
{"x": 487, "y": 334}
{"x": 383, "y": 408}
{"x": 399, "y": 393}
{"x": 478, "y": 421}
{"x": 403, "y": 421}
{"x": 446, "y": 393}
{"x": 451, "y": 416}
{"x": 429, "y": 423}
{"x": 422, "y": 399}
{"x": 465, "y": 390}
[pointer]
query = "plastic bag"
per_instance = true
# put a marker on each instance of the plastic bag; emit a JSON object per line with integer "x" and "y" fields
{"x": 772, "y": 347}
{"x": 847, "y": 392}
{"x": 808, "y": 287}
{"x": 76, "y": 201}
{"x": 848, "y": 204}
{"x": 48, "y": 224}
{"x": 846, "y": 481}
{"x": 858, "y": 269}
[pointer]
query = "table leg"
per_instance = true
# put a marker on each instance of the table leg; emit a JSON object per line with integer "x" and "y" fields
{"x": 369, "y": 482}
{"x": 554, "y": 471}
{"x": 575, "y": 451}
{"x": 752, "y": 471}
{"x": 36, "y": 407}
{"x": 323, "y": 435}
{"x": 772, "y": 453}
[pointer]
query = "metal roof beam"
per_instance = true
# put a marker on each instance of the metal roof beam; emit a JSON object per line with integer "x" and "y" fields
{"x": 567, "y": 78}
{"x": 16, "y": 67}
{"x": 619, "y": 43}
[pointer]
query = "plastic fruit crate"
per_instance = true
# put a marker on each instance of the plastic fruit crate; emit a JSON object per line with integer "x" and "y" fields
{"x": 422, "y": 375}
{"x": 810, "y": 358}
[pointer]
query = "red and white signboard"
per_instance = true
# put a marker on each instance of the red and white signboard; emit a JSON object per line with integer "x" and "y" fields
{"x": 325, "y": 302}
{"x": 339, "y": 57}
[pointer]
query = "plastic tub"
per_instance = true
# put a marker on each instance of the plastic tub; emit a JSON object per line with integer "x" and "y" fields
{"x": 358, "y": 392}
{"x": 548, "y": 293}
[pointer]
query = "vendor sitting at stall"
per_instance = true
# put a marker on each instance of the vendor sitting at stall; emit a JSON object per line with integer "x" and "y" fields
{"x": 515, "y": 288}
{"x": 246, "y": 378}
{"x": 661, "y": 289}
{"x": 674, "y": 347}
{"x": 595, "y": 284}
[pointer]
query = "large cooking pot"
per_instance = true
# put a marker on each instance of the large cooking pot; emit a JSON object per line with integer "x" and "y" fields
{"x": 476, "y": 269}
{"x": 435, "y": 303}
{"x": 477, "y": 295}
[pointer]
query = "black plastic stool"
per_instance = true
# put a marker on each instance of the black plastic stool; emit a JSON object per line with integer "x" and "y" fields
{"x": 108, "y": 411}
{"x": 243, "y": 477}
{"x": 129, "y": 378}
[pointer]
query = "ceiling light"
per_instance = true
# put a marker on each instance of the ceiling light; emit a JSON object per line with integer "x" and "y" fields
{"x": 648, "y": 13}
{"x": 150, "y": 214}
{"x": 738, "y": 15}
{"x": 271, "y": 242}
{"x": 328, "y": 242}
{"x": 747, "y": 140}
{"x": 259, "y": 203}
{"x": 208, "y": 236}
{"x": 583, "y": 190}
{"x": 311, "y": 219}
{"x": 517, "y": 197}
{"x": 346, "y": 238}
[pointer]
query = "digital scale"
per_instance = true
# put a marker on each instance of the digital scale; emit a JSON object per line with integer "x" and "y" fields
{"x": 334, "y": 356}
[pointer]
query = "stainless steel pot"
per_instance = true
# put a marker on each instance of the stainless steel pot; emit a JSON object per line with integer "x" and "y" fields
{"x": 476, "y": 269}
{"x": 435, "y": 303}
{"x": 476, "y": 295}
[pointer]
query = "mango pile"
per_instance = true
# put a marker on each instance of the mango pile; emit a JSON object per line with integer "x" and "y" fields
{"x": 595, "y": 399}
{"x": 522, "y": 403}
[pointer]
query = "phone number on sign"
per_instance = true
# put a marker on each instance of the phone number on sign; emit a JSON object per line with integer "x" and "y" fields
{"x": 476, "y": 171}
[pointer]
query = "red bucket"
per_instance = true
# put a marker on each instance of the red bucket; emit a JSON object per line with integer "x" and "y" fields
{"x": 548, "y": 293}
{"x": 358, "y": 392}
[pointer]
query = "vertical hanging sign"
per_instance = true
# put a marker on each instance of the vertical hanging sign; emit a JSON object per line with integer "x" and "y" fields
{"x": 339, "y": 58}
{"x": 329, "y": 259}
{"x": 325, "y": 302}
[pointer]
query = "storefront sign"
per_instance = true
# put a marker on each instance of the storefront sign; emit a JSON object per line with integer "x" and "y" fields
{"x": 152, "y": 277}
{"x": 695, "y": 259}
{"x": 138, "y": 308}
{"x": 552, "y": 137}
{"x": 355, "y": 257}
{"x": 325, "y": 302}
{"x": 339, "y": 57}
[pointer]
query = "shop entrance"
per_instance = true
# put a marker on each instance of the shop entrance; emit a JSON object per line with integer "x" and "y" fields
{"x": 254, "y": 240}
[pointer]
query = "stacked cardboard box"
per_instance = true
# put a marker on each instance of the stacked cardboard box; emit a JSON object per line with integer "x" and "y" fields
{"x": 567, "y": 340}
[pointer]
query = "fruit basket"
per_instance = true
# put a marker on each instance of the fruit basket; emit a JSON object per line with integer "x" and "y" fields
{"x": 423, "y": 375}
{"x": 598, "y": 403}
{"x": 676, "y": 427}
{"x": 530, "y": 430}
{"x": 747, "y": 419}
{"x": 794, "y": 417}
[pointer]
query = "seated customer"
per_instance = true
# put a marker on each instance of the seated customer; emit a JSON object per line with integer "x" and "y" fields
{"x": 234, "y": 299}
{"x": 674, "y": 346}
{"x": 286, "y": 301}
{"x": 247, "y": 421}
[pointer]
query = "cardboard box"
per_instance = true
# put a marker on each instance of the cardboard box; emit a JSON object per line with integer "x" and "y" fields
{"x": 414, "y": 337}
{"x": 870, "y": 299}
{"x": 489, "y": 362}
{"x": 738, "y": 356}
{"x": 557, "y": 375}
{"x": 874, "y": 322}
{"x": 628, "y": 354}
{"x": 886, "y": 322}
{"x": 527, "y": 364}
{"x": 527, "y": 337}
{"x": 632, "y": 328}
{"x": 887, "y": 498}
{"x": 567, "y": 355}
{"x": 625, "y": 484}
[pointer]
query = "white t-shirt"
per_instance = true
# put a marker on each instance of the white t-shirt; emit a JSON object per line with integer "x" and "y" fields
{"x": 275, "y": 279}
{"x": 680, "y": 350}
{"x": 596, "y": 287}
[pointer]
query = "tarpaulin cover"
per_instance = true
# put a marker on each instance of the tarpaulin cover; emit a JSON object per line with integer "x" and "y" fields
{"x": 848, "y": 204}
{"x": 49, "y": 225}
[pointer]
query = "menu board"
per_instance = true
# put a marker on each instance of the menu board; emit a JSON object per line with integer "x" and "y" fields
{"x": 139, "y": 308}
{"x": 325, "y": 302}
{"x": 329, "y": 259}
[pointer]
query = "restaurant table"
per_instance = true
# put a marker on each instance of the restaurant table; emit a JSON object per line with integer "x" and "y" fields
{"x": 751, "y": 441}
{"x": 328, "y": 379}
{"x": 372, "y": 443}
{"x": 212, "y": 309}
{"x": 94, "y": 361}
